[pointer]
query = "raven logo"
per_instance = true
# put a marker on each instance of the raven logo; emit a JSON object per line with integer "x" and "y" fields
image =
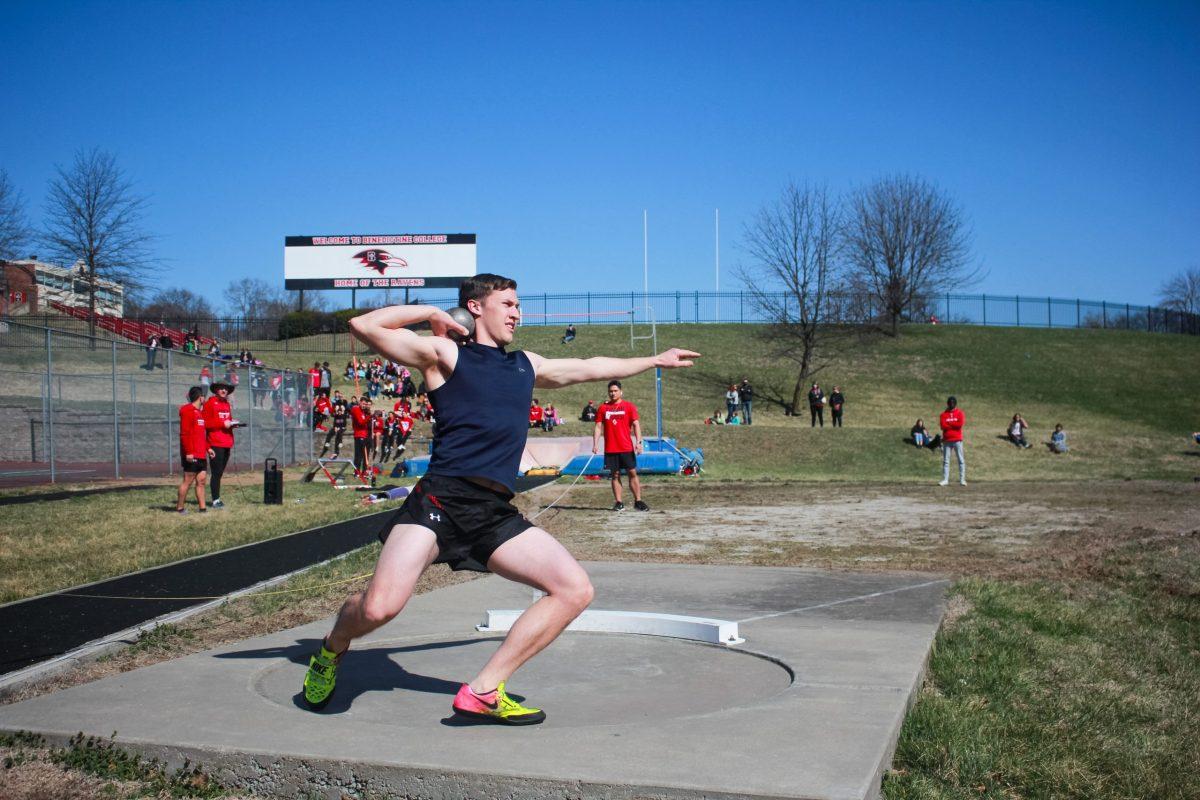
{"x": 379, "y": 260}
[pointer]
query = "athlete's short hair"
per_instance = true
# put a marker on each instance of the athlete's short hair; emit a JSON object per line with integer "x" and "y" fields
{"x": 614, "y": 383}
{"x": 480, "y": 286}
{"x": 952, "y": 402}
{"x": 195, "y": 393}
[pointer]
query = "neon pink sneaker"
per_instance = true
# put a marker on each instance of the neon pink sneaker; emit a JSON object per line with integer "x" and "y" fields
{"x": 495, "y": 706}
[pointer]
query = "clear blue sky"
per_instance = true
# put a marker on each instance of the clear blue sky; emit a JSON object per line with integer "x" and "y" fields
{"x": 1069, "y": 132}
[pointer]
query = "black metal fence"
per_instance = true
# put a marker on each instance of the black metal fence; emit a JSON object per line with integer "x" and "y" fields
{"x": 636, "y": 308}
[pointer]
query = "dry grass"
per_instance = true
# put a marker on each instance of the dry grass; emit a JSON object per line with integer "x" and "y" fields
{"x": 54, "y": 545}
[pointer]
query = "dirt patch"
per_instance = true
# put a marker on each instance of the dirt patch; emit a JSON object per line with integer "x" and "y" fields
{"x": 998, "y": 530}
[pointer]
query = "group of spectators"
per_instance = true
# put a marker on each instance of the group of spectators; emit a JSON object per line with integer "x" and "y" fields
{"x": 1016, "y": 433}
{"x": 817, "y": 400}
{"x": 950, "y": 440}
{"x": 378, "y": 436}
{"x": 545, "y": 417}
{"x": 739, "y": 406}
{"x": 383, "y": 377}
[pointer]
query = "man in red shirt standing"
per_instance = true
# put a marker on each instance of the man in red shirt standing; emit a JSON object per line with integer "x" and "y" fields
{"x": 314, "y": 378}
{"x": 219, "y": 424}
{"x": 952, "y": 422}
{"x": 193, "y": 448}
{"x": 360, "y": 420}
{"x": 617, "y": 421}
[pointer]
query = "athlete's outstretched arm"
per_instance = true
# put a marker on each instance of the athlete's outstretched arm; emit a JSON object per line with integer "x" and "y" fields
{"x": 553, "y": 373}
{"x": 384, "y": 331}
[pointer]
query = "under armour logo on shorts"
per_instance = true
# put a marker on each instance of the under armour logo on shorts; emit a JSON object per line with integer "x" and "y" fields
{"x": 435, "y": 517}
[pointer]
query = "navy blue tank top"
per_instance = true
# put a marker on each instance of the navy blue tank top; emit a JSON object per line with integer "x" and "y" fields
{"x": 482, "y": 415}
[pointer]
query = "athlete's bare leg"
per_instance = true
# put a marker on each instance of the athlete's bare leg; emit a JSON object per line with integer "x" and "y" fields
{"x": 635, "y": 485}
{"x": 407, "y": 553}
{"x": 616, "y": 485}
{"x": 184, "y": 485}
{"x": 200, "y": 476}
{"x": 536, "y": 559}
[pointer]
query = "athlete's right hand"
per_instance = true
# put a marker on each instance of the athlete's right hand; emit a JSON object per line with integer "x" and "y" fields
{"x": 442, "y": 323}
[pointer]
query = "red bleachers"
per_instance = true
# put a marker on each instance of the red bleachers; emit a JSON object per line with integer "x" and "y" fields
{"x": 134, "y": 330}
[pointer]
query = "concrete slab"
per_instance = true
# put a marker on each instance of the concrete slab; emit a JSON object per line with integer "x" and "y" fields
{"x": 808, "y": 707}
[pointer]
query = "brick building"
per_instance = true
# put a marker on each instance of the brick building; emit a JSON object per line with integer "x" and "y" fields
{"x": 29, "y": 286}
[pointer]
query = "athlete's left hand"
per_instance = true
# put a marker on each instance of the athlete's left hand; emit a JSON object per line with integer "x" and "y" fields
{"x": 675, "y": 357}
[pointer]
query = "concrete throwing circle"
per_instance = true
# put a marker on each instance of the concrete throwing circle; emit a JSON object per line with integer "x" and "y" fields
{"x": 581, "y": 680}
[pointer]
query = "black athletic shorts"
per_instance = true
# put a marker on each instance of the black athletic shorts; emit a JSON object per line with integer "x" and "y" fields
{"x": 470, "y": 521}
{"x": 195, "y": 465}
{"x": 613, "y": 462}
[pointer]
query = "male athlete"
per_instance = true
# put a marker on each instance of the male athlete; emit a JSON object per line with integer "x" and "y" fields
{"x": 617, "y": 421}
{"x": 461, "y": 512}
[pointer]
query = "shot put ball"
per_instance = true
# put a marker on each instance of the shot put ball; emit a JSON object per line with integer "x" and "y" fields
{"x": 464, "y": 318}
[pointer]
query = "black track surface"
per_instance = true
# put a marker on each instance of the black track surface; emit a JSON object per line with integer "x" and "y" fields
{"x": 43, "y": 627}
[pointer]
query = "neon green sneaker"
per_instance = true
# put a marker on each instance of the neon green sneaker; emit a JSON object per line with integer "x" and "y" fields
{"x": 321, "y": 677}
{"x": 495, "y": 706}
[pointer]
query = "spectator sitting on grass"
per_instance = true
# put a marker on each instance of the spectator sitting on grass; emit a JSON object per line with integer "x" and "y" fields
{"x": 717, "y": 418}
{"x": 1058, "y": 440}
{"x": 569, "y": 336}
{"x": 536, "y": 415}
{"x": 733, "y": 419}
{"x": 1016, "y": 431}
{"x": 921, "y": 436}
{"x": 589, "y": 412}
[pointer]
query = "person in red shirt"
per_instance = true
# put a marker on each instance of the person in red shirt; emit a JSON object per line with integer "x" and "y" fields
{"x": 322, "y": 408}
{"x": 952, "y": 421}
{"x": 535, "y": 414}
{"x": 617, "y": 420}
{"x": 219, "y": 424}
{"x": 194, "y": 451}
{"x": 360, "y": 420}
{"x": 314, "y": 376}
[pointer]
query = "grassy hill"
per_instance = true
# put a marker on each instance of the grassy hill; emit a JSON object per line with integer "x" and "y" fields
{"x": 1128, "y": 400}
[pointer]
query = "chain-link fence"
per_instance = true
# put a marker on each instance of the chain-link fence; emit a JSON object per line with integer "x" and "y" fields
{"x": 625, "y": 308}
{"x": 77, "y": 408}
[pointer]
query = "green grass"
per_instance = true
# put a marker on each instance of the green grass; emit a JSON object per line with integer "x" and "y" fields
{"x": 1075, "y": 689}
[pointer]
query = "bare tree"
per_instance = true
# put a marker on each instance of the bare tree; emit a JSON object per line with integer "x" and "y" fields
{"x": 253, "y": 298}
{"x": 14, "y": 231}
{"x": 906, "y": 241}
{"x": 175, "y": 306}
{"x": 93, "y": 215}
{"x": 792, "y": 245}
{"x": 1182, "y": 292}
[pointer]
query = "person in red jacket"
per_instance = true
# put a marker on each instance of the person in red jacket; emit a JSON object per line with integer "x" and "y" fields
{"x": 322, "y": 408}
{"x": 952, "y": 422}
{"x": 360, "y": 420}
{"x": 219, "y": 424}
{"x": 194, "y": 451}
